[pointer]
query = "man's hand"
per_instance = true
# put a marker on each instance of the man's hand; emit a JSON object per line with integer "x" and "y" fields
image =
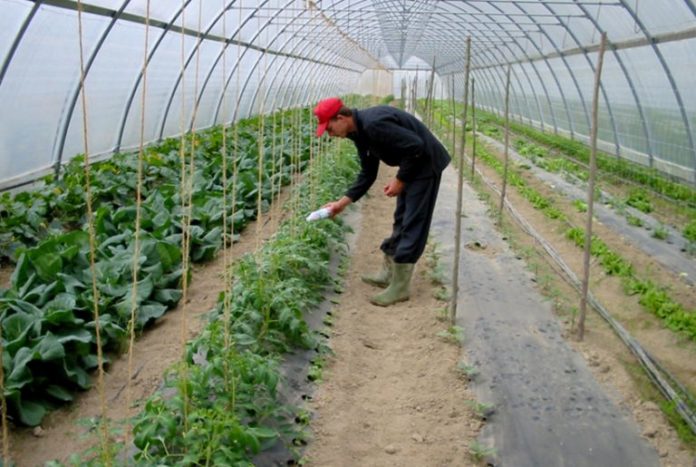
{"x": 394, "y": 188}
{"x": 337, "y": 207}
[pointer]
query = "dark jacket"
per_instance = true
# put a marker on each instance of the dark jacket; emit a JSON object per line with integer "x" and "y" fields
{"x": 398, "y": 139}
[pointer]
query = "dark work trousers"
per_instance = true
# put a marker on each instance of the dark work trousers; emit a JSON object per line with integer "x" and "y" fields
{"x": 412, "y": 217}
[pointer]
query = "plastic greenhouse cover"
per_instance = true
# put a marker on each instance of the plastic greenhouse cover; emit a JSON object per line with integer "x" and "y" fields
{"x": 292, "y": 51}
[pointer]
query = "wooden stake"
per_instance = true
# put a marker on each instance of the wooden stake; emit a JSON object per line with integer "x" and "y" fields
{"x": 590, "y": 191}
{"x": 429, "y": 106}
{"x": 507, "y": 145}
{"x": 460, "y": 189}
{"x": 453, "y": 121}
{"x": 473, "y": 127}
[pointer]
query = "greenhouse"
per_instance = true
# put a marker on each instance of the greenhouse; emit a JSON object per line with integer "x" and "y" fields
{"x": 203, "y": 261}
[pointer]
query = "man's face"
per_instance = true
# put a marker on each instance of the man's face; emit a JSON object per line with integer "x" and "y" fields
{"x": 339, "y": 126}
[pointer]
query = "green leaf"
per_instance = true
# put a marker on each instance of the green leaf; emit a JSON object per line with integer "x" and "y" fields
{"x": 150, "y": 312}
{"x": 169, "y": 255}
{"x": 38, "y": 295}
{"x": 15, "y": 330}
{"x": 74, "y": 335}
{"x": 30, "y": 413}
{"x": 76, "y": 374}
{"x": 47, "y": 264}
{"x": 59, "y": 392}
{"x": 71, "y": 284}
{"x": 168, "y": 297}
{"x": 50, "y": 348}
{"x": 21, "y": 272}
{"x": 62, "y": 301}
{"x": 262, "y": 432}
{"x": 20, "y": 373}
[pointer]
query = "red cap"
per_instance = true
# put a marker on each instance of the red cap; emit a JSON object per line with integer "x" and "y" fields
{"x": 325, "y": 110}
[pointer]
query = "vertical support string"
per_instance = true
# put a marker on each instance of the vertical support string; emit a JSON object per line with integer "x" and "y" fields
{"x": 6, "y": 460}
{"x": 227, "y": 235}
{"x": 135, "y": 269}
{"x": 104, "y": 434}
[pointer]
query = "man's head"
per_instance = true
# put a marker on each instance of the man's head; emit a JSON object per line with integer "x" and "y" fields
{"x": 334, "y": 117}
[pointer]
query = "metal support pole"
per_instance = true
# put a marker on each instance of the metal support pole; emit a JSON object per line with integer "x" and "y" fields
{"x": 460, "y": 189}
{"x": 590, "y": 191}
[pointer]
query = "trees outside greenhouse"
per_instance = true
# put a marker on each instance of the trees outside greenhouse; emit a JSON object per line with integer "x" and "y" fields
{"x": 165, "y": 301}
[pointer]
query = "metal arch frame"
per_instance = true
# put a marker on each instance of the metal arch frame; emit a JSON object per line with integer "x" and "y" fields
{"x": 533, "y": 65}
{"x": 526, "y": 101}
{"x": 18, "y": 39}
{"x": 541, "y": 81}
{"x": 299, "y": 87}
{"x": 221, "y": 54}
{"x": 691, "y": 6}
{"x": 136, "y": 84}
{"x": 271, "y": 18}
{"x": 485, "y": 88}
{"x": 524, "y": 94}
{"x": 536, "y": 100}
{"x": 192, "y": 53}
{"x": 639, "y": 106}
{"x": 601, "y": 84}
{"x": 64, "y": 123}
{"x": 553, "y": 73}
{"x": 260, "y": 58}
{"x": 223, "y": 90}
{"x": 497, "y": 82}
{"x": 293, "y": 50}
{"x": 307, "y": 89}
{"x": 670, "y": 78}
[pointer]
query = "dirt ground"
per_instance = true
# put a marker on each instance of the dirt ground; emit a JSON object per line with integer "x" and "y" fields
{"x": 65, "y": 431}
{"x": 610, "y": 361}
{"x": 391, "y": 395}
{"x": 5, "y": 273}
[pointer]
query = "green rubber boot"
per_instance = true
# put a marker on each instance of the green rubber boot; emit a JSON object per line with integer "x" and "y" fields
{"x": 399, "y": 287}
{"x": 383, "y": 277}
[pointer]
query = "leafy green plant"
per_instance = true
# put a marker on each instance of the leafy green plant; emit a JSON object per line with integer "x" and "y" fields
{"x": 453, "y": 334}
{"x": 607, "y": 164}
{"x": 639, "y": 199}
{"x": 482, "y": 410}
{"x": 580, "y": 205}
{"x": 470, "y": 372}
{"x": 660, "y": 232}
{"x": 690, "y": 231}
{"x": 47, "y": 313}
{"x": 229, "y": 389}
{"x": 479, "y": 452}
{"x": 653, "y": 299}
{"x": 634, "y": 221}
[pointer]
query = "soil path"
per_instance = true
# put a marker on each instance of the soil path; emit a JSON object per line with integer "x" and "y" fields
{"x": 391, "y": 396}
{"x": 549, "y": 410}
{"x": 65, "y": 431}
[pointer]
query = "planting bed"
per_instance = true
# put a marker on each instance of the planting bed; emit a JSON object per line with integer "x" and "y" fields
{"x": 607, "y": 356}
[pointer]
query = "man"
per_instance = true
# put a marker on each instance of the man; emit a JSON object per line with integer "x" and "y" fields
{"x": 396, "y": 138}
